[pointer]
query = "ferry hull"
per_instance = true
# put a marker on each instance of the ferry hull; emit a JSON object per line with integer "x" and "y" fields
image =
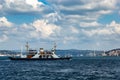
{"x": 62, "y": 58}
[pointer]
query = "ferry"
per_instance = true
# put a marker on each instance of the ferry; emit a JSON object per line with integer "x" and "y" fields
{"x": 39, "y": 55}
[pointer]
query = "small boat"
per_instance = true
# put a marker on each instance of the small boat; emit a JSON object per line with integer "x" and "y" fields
{"x": 40, "y": 55}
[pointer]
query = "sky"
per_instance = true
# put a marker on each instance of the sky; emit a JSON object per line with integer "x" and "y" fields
{"x": 78, "y": 24}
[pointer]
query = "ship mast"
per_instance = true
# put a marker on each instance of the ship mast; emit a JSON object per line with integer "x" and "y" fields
{"x": 54, "y": 48}
{"x": 27, "y": 46}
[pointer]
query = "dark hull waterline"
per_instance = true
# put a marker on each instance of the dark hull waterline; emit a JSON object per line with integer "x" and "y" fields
{"x": 62, "y": 58}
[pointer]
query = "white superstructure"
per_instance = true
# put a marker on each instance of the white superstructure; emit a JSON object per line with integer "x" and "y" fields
{"x": 40, "y": 54}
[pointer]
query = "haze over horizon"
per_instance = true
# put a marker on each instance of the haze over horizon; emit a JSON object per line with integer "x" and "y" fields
{"x": 78, "y": 24}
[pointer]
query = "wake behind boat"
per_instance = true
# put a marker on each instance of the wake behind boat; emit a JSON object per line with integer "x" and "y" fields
{"x": 40, "y": 55}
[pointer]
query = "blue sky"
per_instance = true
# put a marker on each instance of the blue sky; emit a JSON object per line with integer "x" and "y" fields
{"x": 78, "y": 24}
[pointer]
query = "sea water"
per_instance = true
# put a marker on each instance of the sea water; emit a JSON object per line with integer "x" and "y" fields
{"x": 83, "y": 68}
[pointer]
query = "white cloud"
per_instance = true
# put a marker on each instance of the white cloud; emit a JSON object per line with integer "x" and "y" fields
{"x": 101, "y": 4}
{"x": 27, "y": 26}
{"x": 4, "y": 22}
{"x": 89, "y": 24}
{"x": 89, "y": 32}
{"x": 88, "y": 5}
{"x": 45, "y": 28}
{"x": 97, "y": 32}
{"x": 34, "y": 3}
{"x": 0, "y": 7}
{"x": 20, "y": 6}
{"x": 74, "y": 30}
{"x": 83, "y": 10}
{"x": 36, "y": 30}
{"x": 53, "y": 17}
{"x": 109, "y": 29}
{"x": 34, "y": 35}
{"x": 76, "y": 19}
{"x": 3, "y": 38}
{"x": 114, "y": 26}
{"x": 104, "y": 32}
{"x": 68, "y": 39}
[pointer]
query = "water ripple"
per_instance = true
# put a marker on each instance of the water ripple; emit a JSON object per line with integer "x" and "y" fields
{"x": 76, "y": 69}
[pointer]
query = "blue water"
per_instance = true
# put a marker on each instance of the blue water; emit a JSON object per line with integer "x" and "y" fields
{"x": 75, "y": 69}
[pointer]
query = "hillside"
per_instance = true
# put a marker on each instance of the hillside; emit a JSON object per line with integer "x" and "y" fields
{"x": 113, "y": 52}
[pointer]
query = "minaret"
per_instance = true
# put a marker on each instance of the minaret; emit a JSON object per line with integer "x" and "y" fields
{"x": 94, "y": 54}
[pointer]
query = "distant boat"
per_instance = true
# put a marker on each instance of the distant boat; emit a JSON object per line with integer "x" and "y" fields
{"x": 41, "y": 55}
